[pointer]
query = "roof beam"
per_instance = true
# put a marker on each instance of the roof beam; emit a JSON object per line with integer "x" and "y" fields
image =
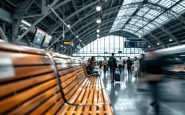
{"x": 5, "y": 16}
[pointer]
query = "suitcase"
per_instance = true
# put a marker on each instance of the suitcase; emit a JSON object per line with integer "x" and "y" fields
{"x": 117, "y": 76}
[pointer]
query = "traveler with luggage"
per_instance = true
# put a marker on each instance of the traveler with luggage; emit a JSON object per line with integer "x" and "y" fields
{"x": 129, "y": 65}
{"x": 113, "y": 65}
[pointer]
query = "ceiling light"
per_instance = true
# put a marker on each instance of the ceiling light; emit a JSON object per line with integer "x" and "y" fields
{"x": 149, "y": 46}
{"x": 25, "y": 22}
{"x": 99, "y": 26}
{"x": 98, "y": 30}
{"x": 98, "y": 8}
{"x": 24, "y": 28}
{"x": 98, "y": 35}
{"x": 158, "y": 43}
{"x": 77, "y": 36}
{"x": 68, "y": 26}
{"x": 98, "y": 21}
{"x": 170, "y": 40}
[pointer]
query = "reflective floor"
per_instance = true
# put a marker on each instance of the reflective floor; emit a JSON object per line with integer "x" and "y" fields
{"x": 129, "y": 98}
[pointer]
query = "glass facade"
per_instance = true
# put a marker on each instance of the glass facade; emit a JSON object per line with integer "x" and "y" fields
{"x": 107, "y": 45}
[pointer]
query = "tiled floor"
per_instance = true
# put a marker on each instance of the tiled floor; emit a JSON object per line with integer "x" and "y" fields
{"x": 127, "y": 100}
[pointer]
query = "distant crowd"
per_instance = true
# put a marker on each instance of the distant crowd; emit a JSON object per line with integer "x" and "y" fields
{"x": 113, "y": 65}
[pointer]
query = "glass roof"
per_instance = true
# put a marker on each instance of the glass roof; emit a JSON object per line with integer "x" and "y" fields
{"x": 140, "y": 19}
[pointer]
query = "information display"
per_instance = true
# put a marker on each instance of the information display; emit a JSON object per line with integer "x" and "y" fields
{"x": 47, "y": 40}
{"x": 66, "y": 42}
{"x": 119, "y": 52}
{"x": 135, "y": 44}
{"x": 39, "y": 36}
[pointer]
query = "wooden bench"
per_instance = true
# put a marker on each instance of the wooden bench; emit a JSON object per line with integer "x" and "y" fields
{"x": 36, "y": 82}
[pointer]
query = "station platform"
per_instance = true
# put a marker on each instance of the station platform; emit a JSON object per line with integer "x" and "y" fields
{"x": 128, "y": 100}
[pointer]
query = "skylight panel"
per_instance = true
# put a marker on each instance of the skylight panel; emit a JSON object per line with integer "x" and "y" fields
{"x": 131, "y": 1}
{"x": 154, "y": 1}
{"x": 179, "y": 8}
{"x": 166, "y": 3}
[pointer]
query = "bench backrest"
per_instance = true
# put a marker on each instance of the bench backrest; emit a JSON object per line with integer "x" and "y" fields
{"x": 28, "y": 83}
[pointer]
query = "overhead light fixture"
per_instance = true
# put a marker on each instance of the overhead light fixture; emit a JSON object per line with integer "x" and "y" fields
{"x": 68, "y": 26}
{"x": 158, "y": 43}
{"x": 24, "y": 28}
{"x": 149, "y": 46}
{"x": 98, "y": 35}
{"x": 98, "y": 21}
{"x": 77, "y": 36}
{"x": 170, "y": 40}
{"x": 25, "y": 22}
{"x": 80, "y": 40}
{"x": 98, "y": 30}
{"x": 98, "y": 8}
{"x": 99, "y": 26}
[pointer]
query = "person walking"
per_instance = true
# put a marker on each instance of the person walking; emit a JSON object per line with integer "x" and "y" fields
{"x": 136, "y": 66}
{"x": 113, "y": 65}
{"x": 120, "y": 64}
{"x": 105, "y": 65}
{"x": 129, "y": 65}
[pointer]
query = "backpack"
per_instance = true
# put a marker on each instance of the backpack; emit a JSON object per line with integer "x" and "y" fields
{"x": 111, "y": 62}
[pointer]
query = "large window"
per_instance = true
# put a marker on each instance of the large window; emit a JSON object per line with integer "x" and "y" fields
{"x": 107, "y": 45}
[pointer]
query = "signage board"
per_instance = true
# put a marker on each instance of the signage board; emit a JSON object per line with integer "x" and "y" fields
{"x": 39, "y": 36}
{"x": 119, "y": 52}
{"x": 66, "y": 42}
{"x": 135, "y": 44}
{"x": 47, "y": 40}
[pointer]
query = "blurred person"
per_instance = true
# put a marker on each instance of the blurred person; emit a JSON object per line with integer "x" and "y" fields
{"x": 129, "y": 65}
{"x": 113, "y": 65}
{"x": 141, "y": 68}
{"x": 123, "y": 64}
{"x": 105, "y": 63}
{"x": 120, "y": 64}
{"x": 100, "y": 64}
{"x": 155, "y": 74}
{"x": 136, "y": 66}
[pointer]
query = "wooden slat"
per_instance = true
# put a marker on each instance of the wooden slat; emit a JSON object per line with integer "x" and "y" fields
{"x": 42, "y": 108}
{"x": 16, "y": 48}
{"x": 109, "y": 110}
{"x": 17, "y": 99}
{"x": 54, "y": 109}
{"x": 23, "y": 72}
{"x": 26, "y": 59}
{"x": 64, "y": 66}
{"x": 67, "y": 82}
{"x": 67, "y": 76}
{"x": 28, "y": 106}
{"x": 90, "y": 101}
{"x": 63, "y": 110}
{"x": 19, "y": 85}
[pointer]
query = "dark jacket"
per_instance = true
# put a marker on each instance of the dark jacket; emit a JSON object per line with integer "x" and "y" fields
{"x": 112, "y": 62}
{"x": 129, "y": 63}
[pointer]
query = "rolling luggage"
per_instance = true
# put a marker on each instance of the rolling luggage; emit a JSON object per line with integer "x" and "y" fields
{"x": 117, "y": 75}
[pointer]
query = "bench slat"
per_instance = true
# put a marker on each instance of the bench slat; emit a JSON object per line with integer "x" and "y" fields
{"x": 25, "y": 58}
{"x": 19, "y": 85}
{"x": 28, "y": 106}
{"x": 53, "y": 110}
{"x": 23, "y": 72}
{"x": 17, "y": 99}
{"x": 42, "y": 108}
